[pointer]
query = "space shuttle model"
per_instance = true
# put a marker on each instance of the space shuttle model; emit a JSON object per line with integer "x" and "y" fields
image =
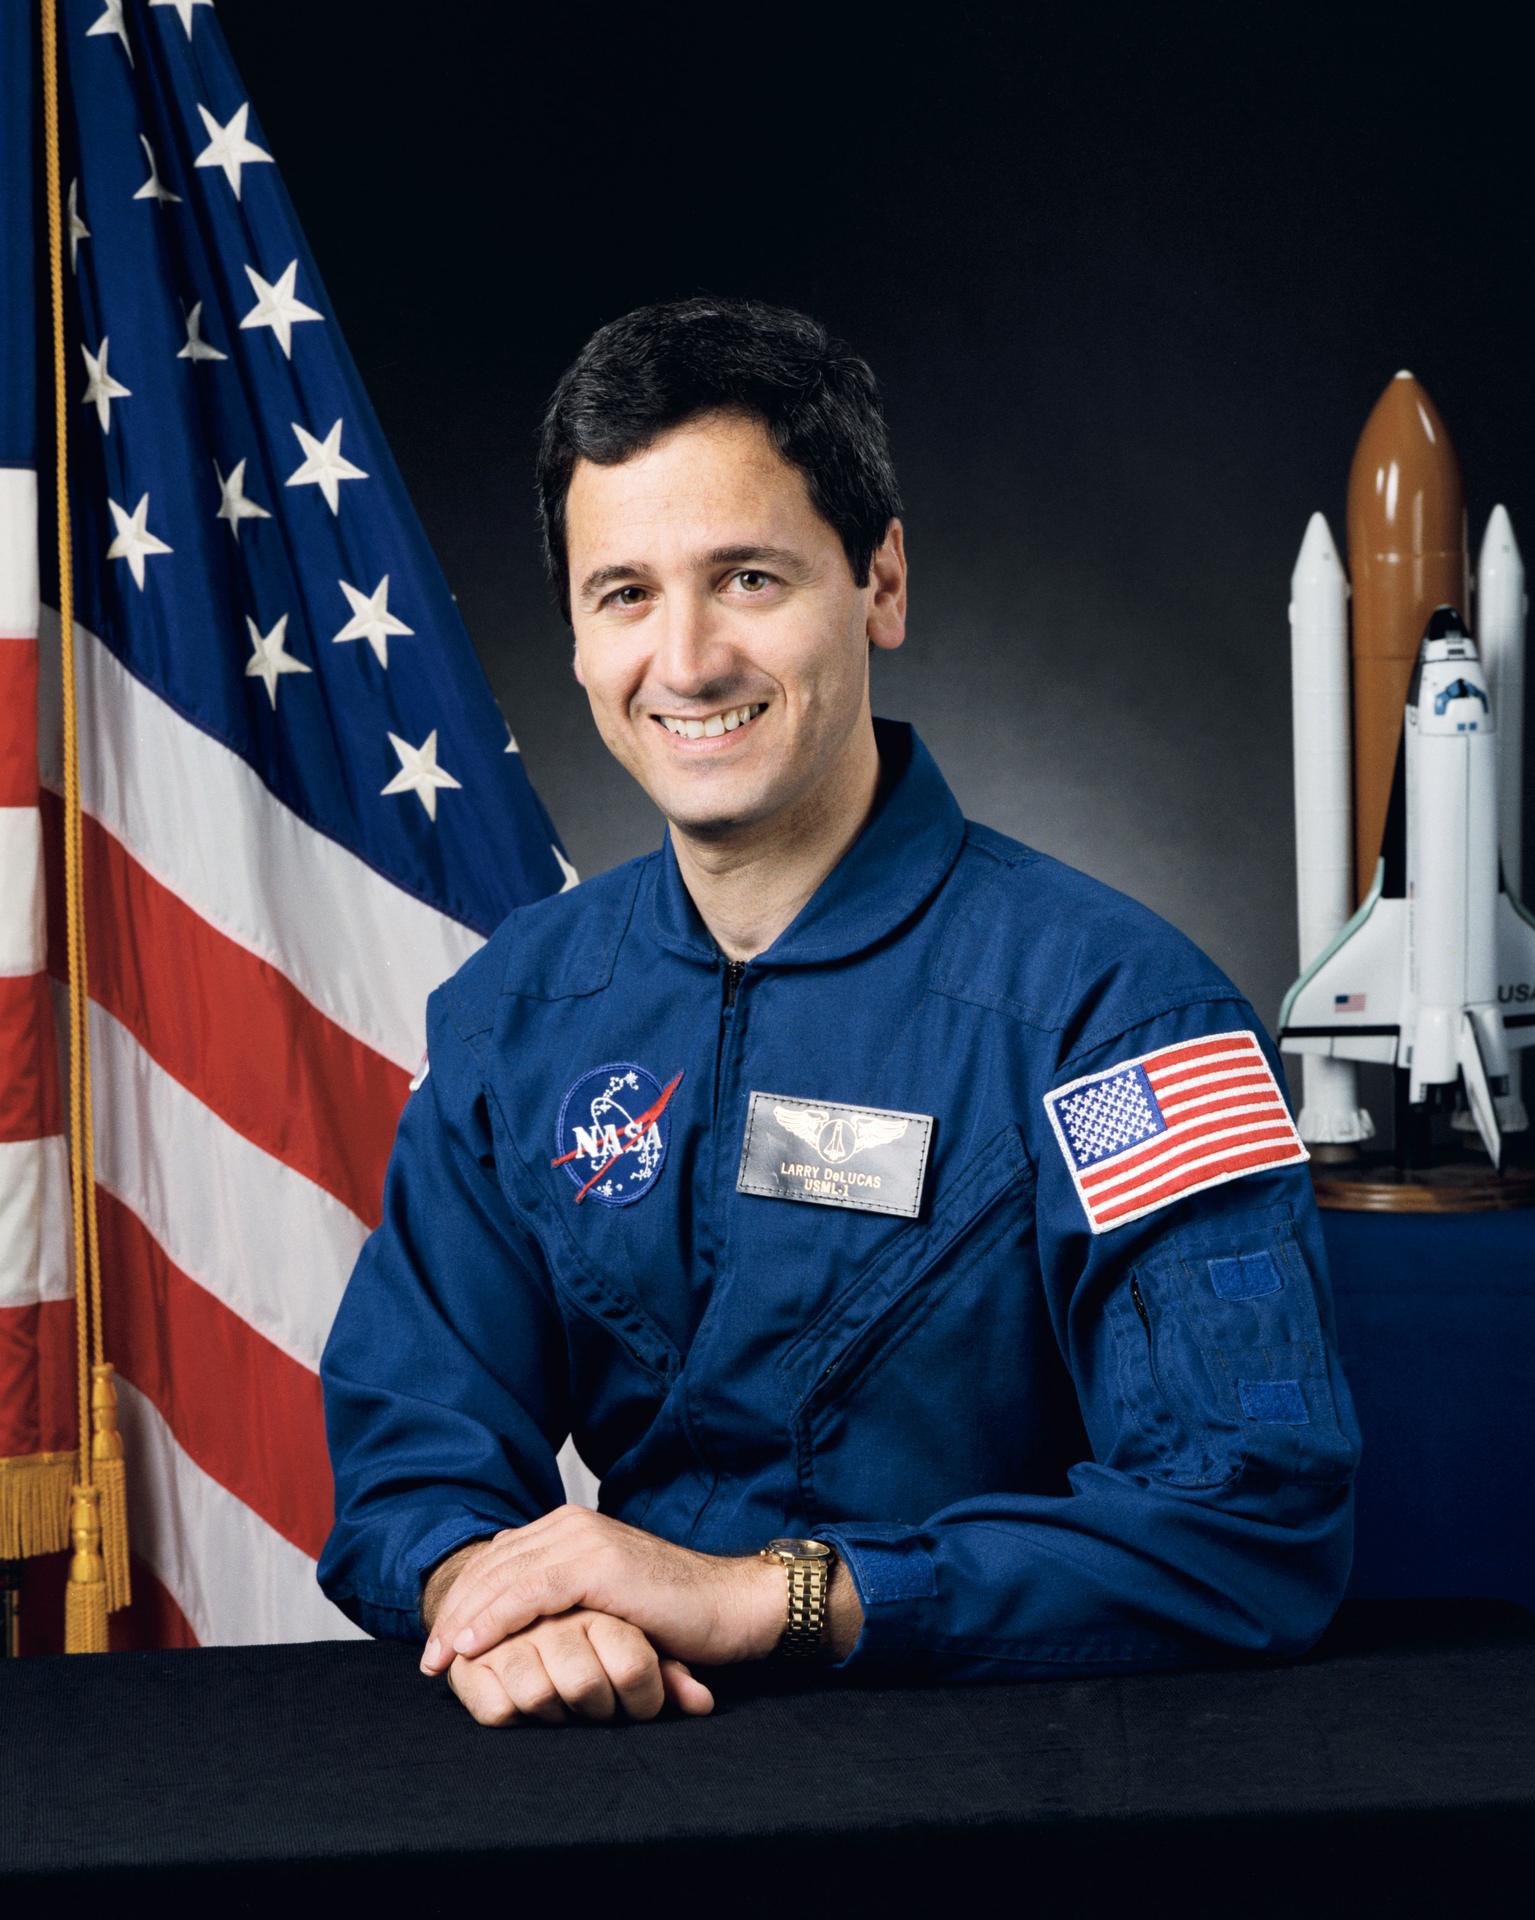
{"x": 1415, "y": 948}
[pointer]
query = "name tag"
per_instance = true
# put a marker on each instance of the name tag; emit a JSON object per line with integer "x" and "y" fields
{"x": 871, "y": 1158}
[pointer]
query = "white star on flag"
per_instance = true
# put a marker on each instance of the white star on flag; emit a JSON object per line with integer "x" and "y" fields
{"x": 276, "y": 307}
{"x": 268, "y": 662}
{"x": 572, "y": 878}
{"x": 325, "y": 465}
{"x": 78, "y": 230}
{"x": 371, "y": 619}
{"x": 154, "y": 188}
{"x": 184, "y": 8}
{"x": 102, "y": 389}
{"x": 197, "y": 347}
{"x": 419, "y": 772}
{"x": 234, "y": 507}
{"x": 112, "y": 22}
{"x": 134, "y": 540}
{"x": 228, "y": 147}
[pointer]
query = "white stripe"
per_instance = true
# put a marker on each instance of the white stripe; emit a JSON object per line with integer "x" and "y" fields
{"x": 1207, "y": 1099}
{"x": 1149, "y": 1167}
{"x": 23, "y": 942}
{"x": 1241, "y": 1034}
{"x": 18, "y": 552}
{"x": 271, "y": 1245}
{"x": 1249, "y": 1055}
{"x": 196, "y": 817}
{"x": 1207, "y": 1080}
{"x": 1202, "y": 1186}
{"x": 1106, "y": 1198}
{"x": 236, "y": 1579}
{"x": 35, "y": 1251}
{"x": 1179, "y": 1135}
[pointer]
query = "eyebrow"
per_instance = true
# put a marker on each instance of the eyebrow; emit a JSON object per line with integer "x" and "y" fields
{"x": 737, "y": 556}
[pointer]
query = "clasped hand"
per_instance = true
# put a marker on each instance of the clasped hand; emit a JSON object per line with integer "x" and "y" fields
{"x": 577, "y": 1614}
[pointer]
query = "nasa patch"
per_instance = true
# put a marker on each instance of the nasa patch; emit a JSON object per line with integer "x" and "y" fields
{"x": 612, "y": 1133}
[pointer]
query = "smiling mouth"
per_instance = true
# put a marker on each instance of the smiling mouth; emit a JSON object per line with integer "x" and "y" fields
{"x": 715, "y": 725}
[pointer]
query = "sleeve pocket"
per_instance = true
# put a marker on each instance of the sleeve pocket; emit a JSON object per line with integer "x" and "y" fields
{"x": 1224, "y": 1366}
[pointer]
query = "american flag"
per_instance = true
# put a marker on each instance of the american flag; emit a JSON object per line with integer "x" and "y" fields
{"x": 1152, "y": 1129}
{"x": 302, "y": 807}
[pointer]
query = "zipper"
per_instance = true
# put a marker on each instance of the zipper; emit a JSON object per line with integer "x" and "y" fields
{"x": 733, "y": 971}
{"x": 1140, "y": 1308}
{"x": 859, "y": 1344}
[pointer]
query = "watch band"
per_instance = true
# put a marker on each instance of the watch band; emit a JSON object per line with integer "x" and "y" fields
{"x": 809, "y": 1587}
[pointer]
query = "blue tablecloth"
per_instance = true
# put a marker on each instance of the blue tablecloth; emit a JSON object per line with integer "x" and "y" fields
{"x": 1436, "y": 1327}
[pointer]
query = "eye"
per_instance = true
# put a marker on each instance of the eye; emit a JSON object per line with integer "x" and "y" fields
{"x": 616, "y": 596}
{"x": 754, "y": 581}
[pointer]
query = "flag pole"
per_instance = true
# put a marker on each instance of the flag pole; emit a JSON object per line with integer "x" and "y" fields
{"x": 97, "y": 1583}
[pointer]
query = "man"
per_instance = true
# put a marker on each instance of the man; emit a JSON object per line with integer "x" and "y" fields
{"x": 843, "y": 1175}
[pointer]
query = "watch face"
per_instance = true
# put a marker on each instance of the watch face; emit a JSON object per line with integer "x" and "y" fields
{"x": 802, "y": 1549}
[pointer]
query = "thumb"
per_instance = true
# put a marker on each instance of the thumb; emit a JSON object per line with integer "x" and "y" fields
{"x": 691, "y": 1695}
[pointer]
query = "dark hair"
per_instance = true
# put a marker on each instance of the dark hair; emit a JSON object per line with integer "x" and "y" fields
{"x": 640, "y": 376}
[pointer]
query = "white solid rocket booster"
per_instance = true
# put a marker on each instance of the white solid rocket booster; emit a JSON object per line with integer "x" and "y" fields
{"x": 1331, "y": 1113}
{"x": 1500, "y": 611}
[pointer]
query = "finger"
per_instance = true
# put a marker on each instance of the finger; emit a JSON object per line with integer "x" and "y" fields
{"x": 500, "y": 1595}
{"x": 575, "y": 1667}
{"x": 534, "y": 1588}
{"x": 481, "y": 1691}
{"x": 684, "y": 1690}
{"x": 523, "y": 1674}
{"x": 631, "y": 1664}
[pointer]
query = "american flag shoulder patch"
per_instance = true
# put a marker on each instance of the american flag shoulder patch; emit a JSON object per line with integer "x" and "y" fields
{"x": 1155, "y": 1128}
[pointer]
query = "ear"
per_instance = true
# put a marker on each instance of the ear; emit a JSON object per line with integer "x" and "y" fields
{"x": 575, "y": 663}
{"x": 887, "y": 584}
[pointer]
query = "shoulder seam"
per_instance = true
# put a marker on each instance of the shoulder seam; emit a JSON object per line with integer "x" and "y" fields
{"x": 1205, "y": 997}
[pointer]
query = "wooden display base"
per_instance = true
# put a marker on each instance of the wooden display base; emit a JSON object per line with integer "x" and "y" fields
{"x": 1455, "y": 1188}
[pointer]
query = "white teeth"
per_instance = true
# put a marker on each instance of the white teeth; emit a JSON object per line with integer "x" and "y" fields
{"x": 716, "y": 724}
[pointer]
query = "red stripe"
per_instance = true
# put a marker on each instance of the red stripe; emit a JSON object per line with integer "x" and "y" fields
{"x": 18, "y": 722}
{"x": 245, "y": 1411}
{"x": 1212, "y": 1090}
{"x": 39, "y": 1411}
{"x": 1198, "y": 1131}
{"x": 1171, "y": 1059}
{"x": 229, "y": 1026}
{"x": 1238, "y": 1163}
{"x": 31, "y": 1106}
{"x": 151, "y": 1619}
{"x": 1179, "y": 1076}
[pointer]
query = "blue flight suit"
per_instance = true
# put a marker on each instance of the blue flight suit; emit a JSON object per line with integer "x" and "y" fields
{"x": 1040, "y": 1449}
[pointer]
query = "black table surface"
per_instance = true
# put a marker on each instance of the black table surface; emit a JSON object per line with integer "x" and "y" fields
{"x": 1391, "y": 1770}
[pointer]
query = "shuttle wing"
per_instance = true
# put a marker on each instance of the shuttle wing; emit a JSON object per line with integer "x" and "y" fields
{"x": 1348, "y": 1003}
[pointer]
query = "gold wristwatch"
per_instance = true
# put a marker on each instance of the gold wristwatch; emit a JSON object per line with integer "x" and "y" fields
{"x": 808, "y": 1565}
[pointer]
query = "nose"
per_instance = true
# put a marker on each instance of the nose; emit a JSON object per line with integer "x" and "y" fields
{"x": 693, "y": 658}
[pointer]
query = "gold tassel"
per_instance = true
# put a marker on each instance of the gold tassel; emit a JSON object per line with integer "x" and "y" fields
{"x": 110, "y": 1474}
{"x": 34, "y": 1504}
{"x": 85, "y": 1597}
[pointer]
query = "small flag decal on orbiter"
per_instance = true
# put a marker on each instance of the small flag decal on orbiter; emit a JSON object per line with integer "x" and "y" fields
{"x": 1162, "y": 1125}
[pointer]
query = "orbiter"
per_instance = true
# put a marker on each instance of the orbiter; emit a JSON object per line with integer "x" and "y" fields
{"x": 1434, "y": 971}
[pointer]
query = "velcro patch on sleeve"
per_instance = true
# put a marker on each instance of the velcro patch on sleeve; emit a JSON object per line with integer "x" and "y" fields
{"x": 1163, "y": 1125}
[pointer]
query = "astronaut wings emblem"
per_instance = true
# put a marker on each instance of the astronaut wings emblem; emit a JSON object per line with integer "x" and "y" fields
{"x": 838, "y": 1136}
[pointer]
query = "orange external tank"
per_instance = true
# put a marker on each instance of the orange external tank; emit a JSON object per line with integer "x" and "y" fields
{"x": 1406, "y": 556}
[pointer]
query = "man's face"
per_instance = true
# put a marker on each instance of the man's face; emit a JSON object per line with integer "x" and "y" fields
{"x": 705, "y": 588}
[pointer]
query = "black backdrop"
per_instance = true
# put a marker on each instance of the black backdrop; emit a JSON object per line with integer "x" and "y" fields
{"x": 1131, "y": 283}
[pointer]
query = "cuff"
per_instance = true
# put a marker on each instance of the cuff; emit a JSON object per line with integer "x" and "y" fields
{"x": 458, "y": 1530}
{"x": 895, "y": 1579}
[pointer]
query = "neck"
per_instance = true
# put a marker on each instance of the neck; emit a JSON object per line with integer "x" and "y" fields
{"x": 749, "y": 886}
